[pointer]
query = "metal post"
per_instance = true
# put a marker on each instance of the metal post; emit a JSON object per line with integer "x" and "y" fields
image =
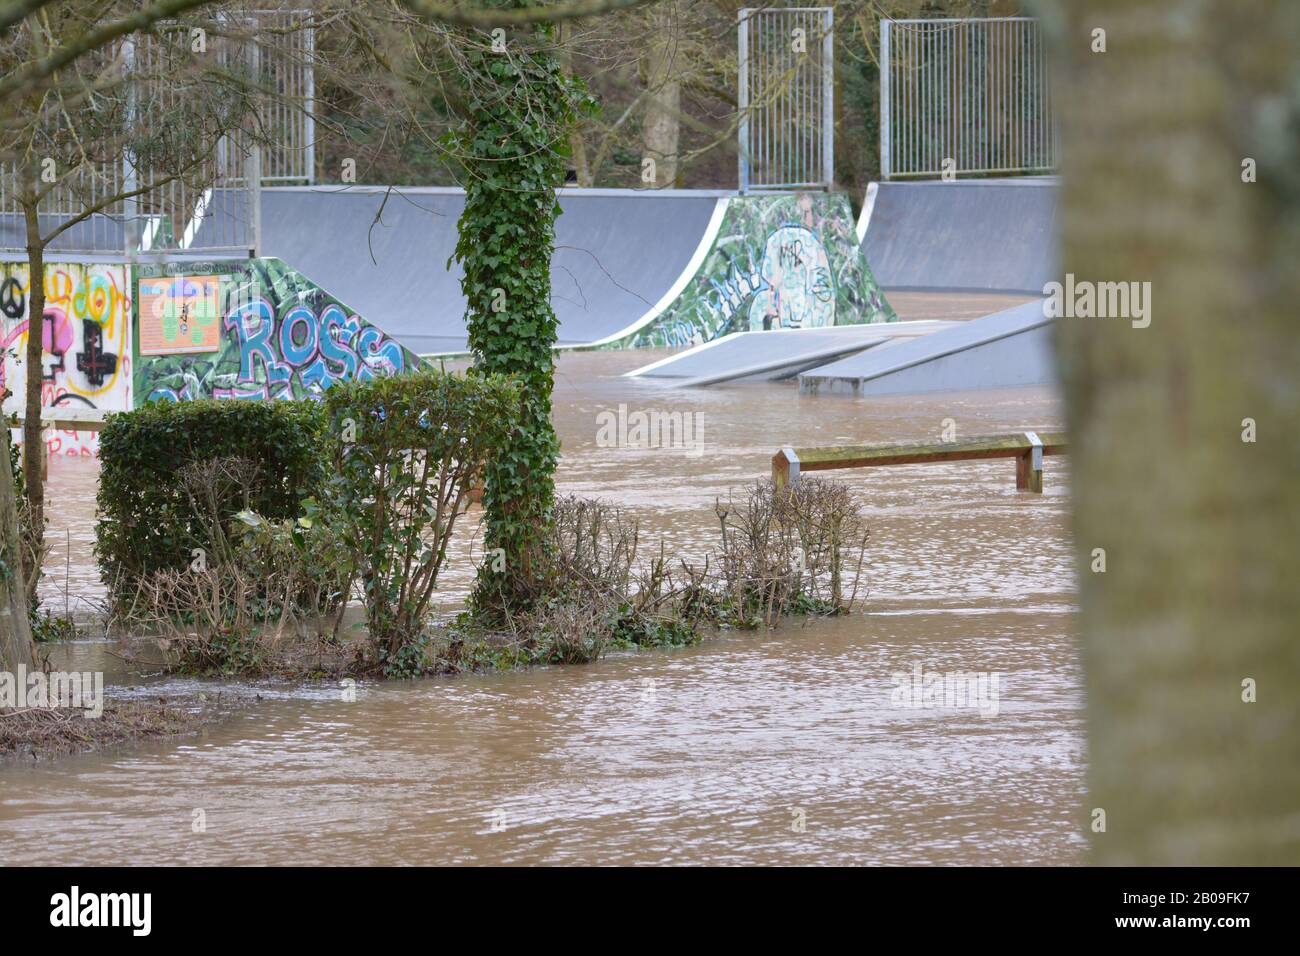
{"x": 130, "y": 181}
{"x": 309, "y": 105}
{"x": 742, "y": 98}
{"x": 885, "y": 106}
{"x": 253, "y": 170}
{"x": 828, "y": 102}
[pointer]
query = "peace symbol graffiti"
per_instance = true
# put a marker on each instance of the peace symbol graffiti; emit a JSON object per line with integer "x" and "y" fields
{"x": 12, "y": 301}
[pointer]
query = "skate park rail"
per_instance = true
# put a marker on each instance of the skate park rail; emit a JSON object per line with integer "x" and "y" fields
{"x": 1027, "y": 448}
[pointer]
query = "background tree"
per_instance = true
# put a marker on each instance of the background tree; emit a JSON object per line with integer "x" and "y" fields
{"x": 119, "y": 122}
{"x": 1186, "y": 434}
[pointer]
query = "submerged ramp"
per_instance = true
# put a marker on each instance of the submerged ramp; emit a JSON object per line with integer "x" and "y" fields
{"x": 621, "y": 255}
{"x": 780, "y": 353}
{"x": 973, "y": 235}
{"x": 1002, "y": 350}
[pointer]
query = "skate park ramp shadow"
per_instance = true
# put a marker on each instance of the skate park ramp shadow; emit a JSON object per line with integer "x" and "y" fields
{"x": 620, "y": 255}
{"x": 977, "y": 235}
{"x": 1004, "y": 350}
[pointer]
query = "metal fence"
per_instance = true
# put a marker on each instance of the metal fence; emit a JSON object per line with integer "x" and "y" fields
{"x": 969, "y": 94}
{"x": 213, "y": 207}
{"x": 786, "y": 98}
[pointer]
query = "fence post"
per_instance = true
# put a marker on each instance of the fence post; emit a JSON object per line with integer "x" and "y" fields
{"x": 828, "y": 102}
{"x": 885, "y": 117}
{"x": 131, "y": 225}
{"x": 742, "y": 96}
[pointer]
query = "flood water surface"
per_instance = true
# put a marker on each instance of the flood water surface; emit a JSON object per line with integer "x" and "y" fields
{"x": 783, "y": 747}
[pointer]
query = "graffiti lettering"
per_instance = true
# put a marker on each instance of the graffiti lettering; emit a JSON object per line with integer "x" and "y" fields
{"x": 307, "y": 354}
{"x": 88, "y": 316}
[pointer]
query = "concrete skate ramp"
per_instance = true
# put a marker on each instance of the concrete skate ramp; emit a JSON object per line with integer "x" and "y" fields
{"x": 994, "y": 235}
{"x": 778, "y": 354}
{"x": 620, "y": 255}
{"x": 1002, "y": 350}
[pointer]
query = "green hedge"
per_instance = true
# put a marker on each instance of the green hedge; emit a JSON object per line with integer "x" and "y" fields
{"x": 146, "y": 521}
{"x": 407, "y": 452}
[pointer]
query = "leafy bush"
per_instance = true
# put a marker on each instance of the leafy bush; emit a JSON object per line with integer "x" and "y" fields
{"x": 407, "y": 452}
{"x": 158, "y": 501}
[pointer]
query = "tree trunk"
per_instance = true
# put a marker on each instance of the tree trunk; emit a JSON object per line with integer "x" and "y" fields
{"x": 662, "y": 127}
{"x": 15, "y": 629}
{"x": 33, "y": 444}
{"x": 577, "y": 144}
{"x": 1200, "y": 524}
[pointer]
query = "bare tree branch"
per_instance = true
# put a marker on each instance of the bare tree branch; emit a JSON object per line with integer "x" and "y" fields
{"x": 471, "y": 17}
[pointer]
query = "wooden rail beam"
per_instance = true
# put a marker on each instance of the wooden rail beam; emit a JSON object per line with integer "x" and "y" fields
{"x": 68, "y": 423}
{"x": 1028, "y": 448}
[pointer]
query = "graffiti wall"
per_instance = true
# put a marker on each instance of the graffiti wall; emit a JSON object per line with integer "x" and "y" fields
{"x": 778, "y": 262}
{"x": 85, "y": 343}
{"x": 251, "y": 329}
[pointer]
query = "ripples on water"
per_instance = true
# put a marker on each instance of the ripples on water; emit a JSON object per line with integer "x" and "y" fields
{"x": 706, "y": 754}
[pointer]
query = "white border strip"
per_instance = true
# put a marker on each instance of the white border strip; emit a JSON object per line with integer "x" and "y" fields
{"x": 868, "y": 206}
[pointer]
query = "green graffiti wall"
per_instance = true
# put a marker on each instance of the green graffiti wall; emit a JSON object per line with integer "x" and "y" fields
{"x": 249, "y": 329}
{"x": 778, "y": 262}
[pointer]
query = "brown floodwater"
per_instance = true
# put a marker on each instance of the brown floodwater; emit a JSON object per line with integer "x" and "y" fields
{"x": 779, "y": 747}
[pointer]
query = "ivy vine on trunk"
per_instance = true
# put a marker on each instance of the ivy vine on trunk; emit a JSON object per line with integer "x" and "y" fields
{"x": 513, "y": 147}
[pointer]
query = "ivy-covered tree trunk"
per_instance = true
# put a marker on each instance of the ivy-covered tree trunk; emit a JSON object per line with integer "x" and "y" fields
{"x": 514, "y": 150}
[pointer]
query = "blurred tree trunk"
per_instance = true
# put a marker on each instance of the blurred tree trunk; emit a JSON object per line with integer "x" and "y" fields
{"x": 1201, "y": 529}
{"x": 662, "y": 128}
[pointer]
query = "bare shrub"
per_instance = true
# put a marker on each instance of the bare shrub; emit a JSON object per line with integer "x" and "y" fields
{"x": 785, "y": 550}
{"x": 593, "y": 547}
{"x": 216, "y": 489}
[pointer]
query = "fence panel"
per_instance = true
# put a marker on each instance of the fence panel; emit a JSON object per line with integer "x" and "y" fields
{"x": 211, "y": 206}
{"x": 786, "y": 98}
{"x": 971, "y": 95}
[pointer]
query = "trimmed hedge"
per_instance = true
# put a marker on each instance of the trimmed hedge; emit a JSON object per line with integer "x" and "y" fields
{"x": 146, "y": 522}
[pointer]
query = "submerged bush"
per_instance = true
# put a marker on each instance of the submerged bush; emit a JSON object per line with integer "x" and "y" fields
{"x": 173, "y": 476}
{"x": 788, "y": 550}
{"x": 407, "y": 452}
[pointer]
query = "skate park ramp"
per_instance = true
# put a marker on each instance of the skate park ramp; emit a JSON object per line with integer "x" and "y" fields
{"x": 620, "y": 255}
{"x": 778, "y": 354}
{"x": 1003, "y": 350}
{"x": 975, "y": 235}
{"x": 95, "y": 232}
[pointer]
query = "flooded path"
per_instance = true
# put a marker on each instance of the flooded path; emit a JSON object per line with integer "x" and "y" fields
{"x": 751, "y": 748}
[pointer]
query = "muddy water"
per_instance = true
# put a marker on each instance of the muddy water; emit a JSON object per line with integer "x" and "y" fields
{"x": 768, "y": 748}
